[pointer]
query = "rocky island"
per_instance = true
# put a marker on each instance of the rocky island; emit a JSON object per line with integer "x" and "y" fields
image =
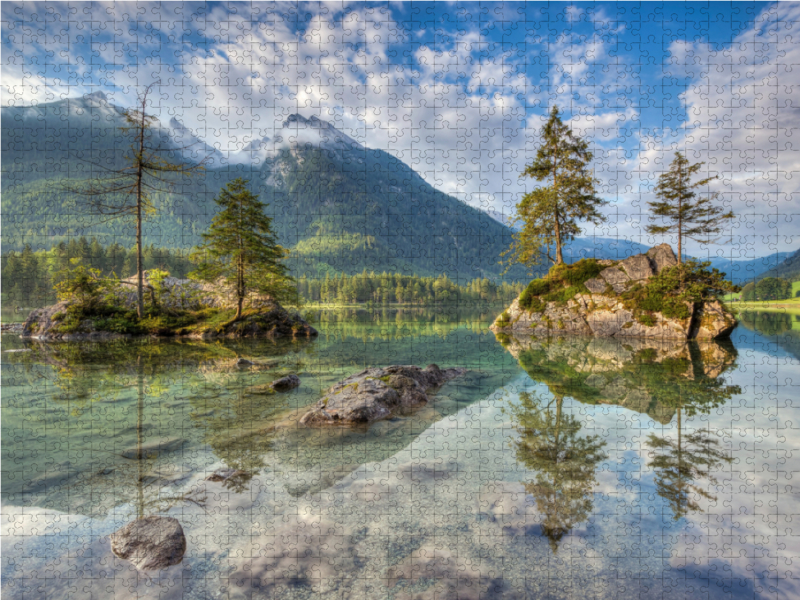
{"x": 643, "y": 296}
{"x": 176, "y": 308}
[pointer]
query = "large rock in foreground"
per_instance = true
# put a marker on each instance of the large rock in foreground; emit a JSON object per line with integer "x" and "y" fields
{"x": 150, "y": 542}
{"x": 375, "y": 393}
{"x": 600, "y": 304}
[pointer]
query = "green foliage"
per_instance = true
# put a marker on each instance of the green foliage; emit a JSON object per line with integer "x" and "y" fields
{"x": 685, "y": 215}
{"x": 504, "y": 320}
{"x": 393, "y": 288}
{"x": 560, "y": 285}
{"x": 81, "y": 285}
{"x": 29, "y": 277}
{"x": 240, "y": 248}
{"x": 669, "y": 291}
{"x": 550, "y": 214}
{"x": 769, "y": 288}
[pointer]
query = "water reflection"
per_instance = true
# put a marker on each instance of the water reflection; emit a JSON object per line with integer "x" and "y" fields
{"x": 564, "y": 461}
{"x": 559, "y": 469}
{"x": 654, "y": 377}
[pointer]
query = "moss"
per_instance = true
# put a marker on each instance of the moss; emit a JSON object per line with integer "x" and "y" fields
{"x": 646, "y": 319}
{"x": 504, "y": 320}
{"x": 503, "y": 339}
{"x": 560, "y": 285}
{"x": 628, "y": 325}
{"x": 560, "y": 324}
{"x": 642, "y": 300}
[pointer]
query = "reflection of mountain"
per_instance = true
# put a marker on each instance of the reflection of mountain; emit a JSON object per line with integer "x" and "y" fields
{"x": 643, "y": 375}
{"x": 563, "y": 460}
{"x": 782, "y": 329}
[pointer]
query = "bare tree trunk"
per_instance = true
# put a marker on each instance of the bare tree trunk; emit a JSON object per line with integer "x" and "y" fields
{"x": 559, "y": 253}
{"x": 139, "y": 261}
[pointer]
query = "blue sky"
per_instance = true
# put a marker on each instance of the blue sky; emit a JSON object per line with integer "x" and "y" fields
{"x": 459, "y": 90}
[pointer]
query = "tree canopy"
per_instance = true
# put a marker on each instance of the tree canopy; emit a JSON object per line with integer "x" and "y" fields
{"x": 683, "y": 213}
{"x": 241, "y": 249}
{"x": 550, "y": 214}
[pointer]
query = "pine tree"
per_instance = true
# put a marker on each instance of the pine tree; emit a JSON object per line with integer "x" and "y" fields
{"x": 686, "y": 215}
{"x": 550, "y": 214}
{"x": 241, "y": 249}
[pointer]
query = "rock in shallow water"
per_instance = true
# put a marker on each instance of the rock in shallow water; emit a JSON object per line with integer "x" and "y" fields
{"x": 150, "y": 542}
{"x": 284, "y": 384}
{"x": 374, "y": 393}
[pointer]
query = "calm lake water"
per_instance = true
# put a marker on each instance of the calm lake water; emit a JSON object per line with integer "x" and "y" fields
{"x": 562, "y": 468}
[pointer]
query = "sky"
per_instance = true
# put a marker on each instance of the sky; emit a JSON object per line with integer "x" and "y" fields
{"x": 459, "y": 91}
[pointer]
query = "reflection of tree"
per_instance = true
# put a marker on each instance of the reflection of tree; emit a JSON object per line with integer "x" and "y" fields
{"x": 564, "y": 463}
{"x": 679, "y": 465}
{"x": 766, "y": 323}
{"x": 689, "y": 386}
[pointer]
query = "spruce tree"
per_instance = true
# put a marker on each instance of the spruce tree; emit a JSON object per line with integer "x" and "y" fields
{"x": 686, "y": 216}
{"x": 241, "y": 249}
{"x": 550, "y": 214}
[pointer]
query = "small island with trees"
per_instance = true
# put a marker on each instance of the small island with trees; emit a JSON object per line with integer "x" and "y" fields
{"x": 655, "y": 294}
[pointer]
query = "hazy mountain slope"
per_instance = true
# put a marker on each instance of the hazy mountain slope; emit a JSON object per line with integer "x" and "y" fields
{"x": 787, "y": 267}
{"x": 337, "y": 205}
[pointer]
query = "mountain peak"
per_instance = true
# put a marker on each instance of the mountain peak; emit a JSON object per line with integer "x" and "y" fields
{"x": 97, "y": 96}
{"x": 300, "y": 130}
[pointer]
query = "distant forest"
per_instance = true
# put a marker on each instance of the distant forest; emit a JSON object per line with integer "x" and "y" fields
{"x": 28, "y": 277}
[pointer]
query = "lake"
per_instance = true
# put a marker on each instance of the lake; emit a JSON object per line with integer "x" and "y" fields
{"x": 560, "y": 468}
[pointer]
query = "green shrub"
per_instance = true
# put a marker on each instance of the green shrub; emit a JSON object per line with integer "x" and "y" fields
{"x": 504, "y": 320}
{"x": 646, "y": 319}
{"x": 577, "y": 273}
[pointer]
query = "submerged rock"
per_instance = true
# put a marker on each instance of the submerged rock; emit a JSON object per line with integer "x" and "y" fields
{"x": 374, "y": 393}
{"x": 602, "y": 310}
{"x": 150, "y": 542}
{"x": 284, "y": 384}
{"x": 153, "y": 448}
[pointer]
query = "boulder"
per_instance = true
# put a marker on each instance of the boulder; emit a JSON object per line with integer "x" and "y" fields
{"x": 153, "y": 448}
{"x": 284, "y": 384}
{"x": 616, "y": 278}
{"x": 150, "y": 542}
{"x": 638, "y": 267}
{"x": 662, "y": 257}
{"x": 596, "y": 285}
{"x": 711, "y": 321}
{"x": 375, "y": 393}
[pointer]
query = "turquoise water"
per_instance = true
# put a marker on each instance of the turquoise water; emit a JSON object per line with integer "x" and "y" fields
{"x": 563, "y": 468}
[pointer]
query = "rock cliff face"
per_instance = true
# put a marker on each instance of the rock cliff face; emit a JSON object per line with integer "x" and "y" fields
{"x": 598, "y": 309}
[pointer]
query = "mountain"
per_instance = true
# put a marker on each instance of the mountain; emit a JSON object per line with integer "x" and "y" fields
{"x": 338, "y": 206}
{"x": 788, "y": 267}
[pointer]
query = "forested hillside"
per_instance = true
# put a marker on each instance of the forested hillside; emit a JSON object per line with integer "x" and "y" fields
{"x": 338, "y": 206}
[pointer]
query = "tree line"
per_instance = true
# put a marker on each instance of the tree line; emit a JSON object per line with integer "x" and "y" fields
{"x": 769, "y": 288}
{"x": 28, "y": 277}
{"x": 391, "y": 288}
